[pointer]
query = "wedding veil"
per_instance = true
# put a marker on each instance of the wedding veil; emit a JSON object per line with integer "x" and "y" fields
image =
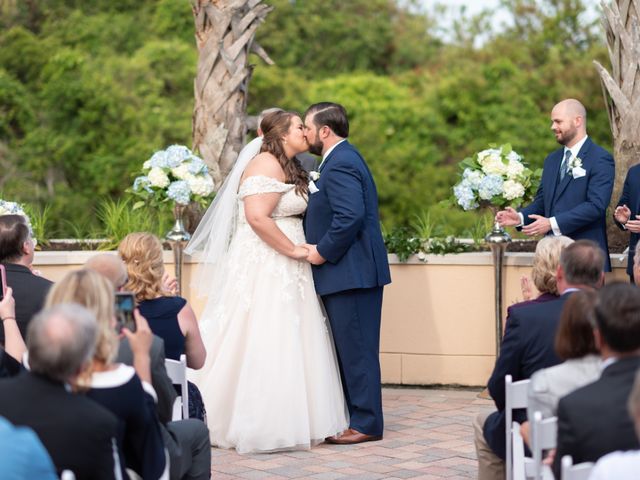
{"x": 216, "y": 229}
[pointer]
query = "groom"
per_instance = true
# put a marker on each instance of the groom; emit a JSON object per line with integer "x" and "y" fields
{"x": 350, "y": 264}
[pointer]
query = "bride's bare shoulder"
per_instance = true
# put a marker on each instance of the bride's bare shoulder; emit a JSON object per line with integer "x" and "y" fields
{"x": 264, "y": 164}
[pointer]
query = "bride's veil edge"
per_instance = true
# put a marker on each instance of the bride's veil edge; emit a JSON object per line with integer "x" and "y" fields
{"x": 216, "y": 229}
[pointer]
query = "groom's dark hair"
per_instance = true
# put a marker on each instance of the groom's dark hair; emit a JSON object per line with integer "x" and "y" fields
{"x": 333, "y": 115}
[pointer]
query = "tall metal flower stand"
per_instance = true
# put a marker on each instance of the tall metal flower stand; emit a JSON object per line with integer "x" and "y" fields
{"x": 498, "y": 239}
{"x": 177, "y": 238}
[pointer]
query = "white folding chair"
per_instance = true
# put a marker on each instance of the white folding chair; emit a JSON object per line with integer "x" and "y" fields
{"x": 544, "y": 436}
{"x": 517, "y": 449}
{"x": 515, "y": 397}
{"x": 177, "y": 371}
{"x": 581, "y": 471}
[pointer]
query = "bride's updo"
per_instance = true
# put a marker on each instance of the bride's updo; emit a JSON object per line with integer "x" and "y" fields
{"x": 274, "y": 127}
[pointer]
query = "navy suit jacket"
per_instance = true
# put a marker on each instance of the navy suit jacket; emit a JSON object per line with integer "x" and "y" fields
{"x": 594, "y": 420}
{"x": 527, "y": 346}
{"x": 342, "y": 220}
{"x": 631, "y": 198}
{"x": 578, "y": 204}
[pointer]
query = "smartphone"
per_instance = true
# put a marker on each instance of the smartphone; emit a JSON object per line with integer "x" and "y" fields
{"x": 3, "y": 288}
{"x": 125, "y": 303}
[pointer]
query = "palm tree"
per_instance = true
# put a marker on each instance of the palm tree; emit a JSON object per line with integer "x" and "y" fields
{"x": 621, "y": 89}
{"x": 225, "y": 31}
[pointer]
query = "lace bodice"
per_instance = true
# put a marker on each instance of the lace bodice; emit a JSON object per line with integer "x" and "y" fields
{"x": 290, "y": 204}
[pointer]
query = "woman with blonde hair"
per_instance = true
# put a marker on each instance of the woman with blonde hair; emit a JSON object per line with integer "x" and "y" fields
{"x": 543, "y": 272}
{"x": 170, "y": 317}
{"x": 125, "y": 391}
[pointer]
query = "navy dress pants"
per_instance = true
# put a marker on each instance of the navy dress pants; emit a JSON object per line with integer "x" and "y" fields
{"x": 354, "y": 316}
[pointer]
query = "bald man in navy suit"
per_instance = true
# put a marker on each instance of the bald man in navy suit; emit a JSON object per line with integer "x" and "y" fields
{"x": 576, "y": 185}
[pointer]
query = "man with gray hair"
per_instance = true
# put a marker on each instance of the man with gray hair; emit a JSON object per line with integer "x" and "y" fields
{"x": 78, "y": 433}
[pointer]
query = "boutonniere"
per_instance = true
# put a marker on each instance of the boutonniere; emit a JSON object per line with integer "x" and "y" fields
{"x": 575, "y": 166}
{"x": 314, "y": 175}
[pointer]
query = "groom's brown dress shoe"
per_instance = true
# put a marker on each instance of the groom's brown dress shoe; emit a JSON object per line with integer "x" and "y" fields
{"x": 351, "y": 437}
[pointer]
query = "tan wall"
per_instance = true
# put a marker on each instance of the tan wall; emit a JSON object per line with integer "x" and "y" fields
{"x": 438, "y": 322}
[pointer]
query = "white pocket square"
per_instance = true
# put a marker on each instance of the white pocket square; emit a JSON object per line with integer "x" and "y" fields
{"x": 312, "y": 187}
{"x": 578, "y": 172}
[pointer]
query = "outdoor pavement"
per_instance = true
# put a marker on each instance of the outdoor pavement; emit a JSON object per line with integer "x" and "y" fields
{"x": 428, "y": 435}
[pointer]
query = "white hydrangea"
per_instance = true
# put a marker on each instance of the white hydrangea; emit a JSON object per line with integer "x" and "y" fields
{"x": 158, "y": 178}
{"x": 147, "y": 165}
{"x": 512, "y": 190}
{"x": 200, "y": 185}
{"x": 181, "y": 171}
{"x": 493, "y": 165}
{"x": 514, "y": 168}
{"x": 513, "y": 157}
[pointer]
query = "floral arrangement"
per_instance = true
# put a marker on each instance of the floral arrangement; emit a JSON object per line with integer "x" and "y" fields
{"x": 13, "y": 208}
{"x": 175, "y": 174}
{"x": 496, "y": 177}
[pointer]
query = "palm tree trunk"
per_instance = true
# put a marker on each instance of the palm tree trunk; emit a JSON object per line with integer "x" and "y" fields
{"x": 621, "y": 90}
{"x": 225, "y": 31}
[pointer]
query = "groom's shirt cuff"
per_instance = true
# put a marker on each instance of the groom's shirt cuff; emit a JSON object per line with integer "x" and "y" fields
{"x": 554, "y": 226}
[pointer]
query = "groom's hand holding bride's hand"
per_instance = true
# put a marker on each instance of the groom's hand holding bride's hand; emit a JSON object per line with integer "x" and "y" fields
{"x": 300, "y": 252}
{"x": 314, "y": 257}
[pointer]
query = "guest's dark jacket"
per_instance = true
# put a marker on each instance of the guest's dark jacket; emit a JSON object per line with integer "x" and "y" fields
{"x": 594, "y": 420}
{"x": 29, "y": 292}
{"x": 631, "y": 198}
{"x": 527, "y": 346}
{"x": 78, "y": 433}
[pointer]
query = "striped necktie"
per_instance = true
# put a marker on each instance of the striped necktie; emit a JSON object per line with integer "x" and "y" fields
{"x": 565, "y": 164}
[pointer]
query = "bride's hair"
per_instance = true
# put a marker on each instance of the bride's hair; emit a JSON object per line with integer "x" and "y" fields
{"x": 274, "y": 127}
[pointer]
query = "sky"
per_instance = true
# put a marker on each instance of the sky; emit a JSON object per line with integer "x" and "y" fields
{"x": 475, "y": 6}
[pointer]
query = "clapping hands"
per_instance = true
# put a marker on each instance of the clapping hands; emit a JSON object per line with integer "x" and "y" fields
{"x": 622, "y": 214}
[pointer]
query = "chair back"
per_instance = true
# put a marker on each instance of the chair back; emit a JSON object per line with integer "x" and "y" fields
{"x": 177, "y": 371}
{"x": 515, "y": 397}
{"x": 517, "y": 449}
{"x": 581, "y": 471}
{"x": 544, "y": 437}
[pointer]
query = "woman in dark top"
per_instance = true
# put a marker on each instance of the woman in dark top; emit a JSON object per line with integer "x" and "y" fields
{"x": 169, "y": 317}
{"x": 14, "y": 347}
{"x": 125, "y": 391}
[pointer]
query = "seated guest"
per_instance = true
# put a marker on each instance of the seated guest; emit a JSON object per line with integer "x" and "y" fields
{"x": 11, "y": 354}
{"x": 112, "y": 268}
{"x": 543, "y": 272}
{"x": 169, "y": 317}
{"x": 115, "y": 386}
{"x": 593, "y": 420}
{"x": 78, "y": 433}
{"x": 623, "y": 465}
{"x": 186, "y": 440}
{"x": 23, "y": 455}
{"x": 527, "y": 347}
{"x": 574, "y": 345}
{"x": 16, "y": 254}
{"x": 635, "y": 273}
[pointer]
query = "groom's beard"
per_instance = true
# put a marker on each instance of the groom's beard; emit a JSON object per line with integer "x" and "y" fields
{"x": 316, "y": 148}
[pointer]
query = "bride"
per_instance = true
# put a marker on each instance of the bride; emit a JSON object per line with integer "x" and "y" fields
{"x": 271, "y": 379}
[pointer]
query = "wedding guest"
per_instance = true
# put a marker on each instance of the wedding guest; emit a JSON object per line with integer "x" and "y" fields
{"x": 626, "y": 214}
{"x": 593, "y": 420}
{"x": 576, "y": 185}
{"x": 14, "y": 348}
{"x": 78, "y": 433}
{"x": 528, "y": 346}
{"x": 622, "y": 465}
{"x": 575, "y": 345}
{"x": 23, "y": 455}
{"x": 543, "y": 272}
{"x": 125, "y": 391}
{"x": 17, "y": 249}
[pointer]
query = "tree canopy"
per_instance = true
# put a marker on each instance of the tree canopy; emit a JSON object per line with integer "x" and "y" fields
{"x": 89, "y": 90}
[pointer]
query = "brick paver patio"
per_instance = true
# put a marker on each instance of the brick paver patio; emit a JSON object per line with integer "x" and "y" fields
{"x": 428, "y": 435}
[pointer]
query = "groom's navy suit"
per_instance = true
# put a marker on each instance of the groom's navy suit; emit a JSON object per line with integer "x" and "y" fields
{"x": 342, "y": 220}
{"x": 578, "y": 204}
{"x": 631, "y": 198}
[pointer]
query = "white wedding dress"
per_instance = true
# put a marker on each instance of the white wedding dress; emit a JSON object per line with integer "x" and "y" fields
{"x": 271, "y": 379}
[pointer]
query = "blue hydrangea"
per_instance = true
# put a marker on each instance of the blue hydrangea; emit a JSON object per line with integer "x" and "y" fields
{"x": 176, "y": 154}
{"x": 197, "y": 166}
{"x": 473, "y": 177}
{"x": 158, "y": 159}
{"x": 490, "y": 186}
{"x": 142, "y": 182}
{"x": 179, "y": 192}
{"x": 465, "y": 196}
